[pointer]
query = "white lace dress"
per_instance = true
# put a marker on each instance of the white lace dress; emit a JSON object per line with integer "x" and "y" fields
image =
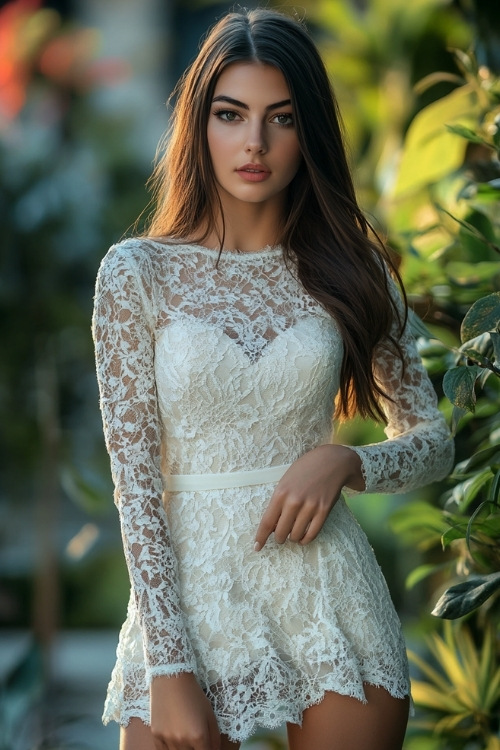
{"x": 206, "y": 369}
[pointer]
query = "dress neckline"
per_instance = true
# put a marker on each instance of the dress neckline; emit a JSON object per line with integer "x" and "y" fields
{"x": 267, "y": 251}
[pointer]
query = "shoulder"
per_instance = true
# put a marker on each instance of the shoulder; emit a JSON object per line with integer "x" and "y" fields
{"x": 135, "y": 254}
{"x": 140, "y": 261}
{"x": 156, "y": 258}
{"x": 129, "y": 277}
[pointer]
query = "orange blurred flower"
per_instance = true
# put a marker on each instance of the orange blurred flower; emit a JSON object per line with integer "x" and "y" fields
{"x": 69, "y": 60}
{"x": 15, "y": 63}
{"x": 33, "y": 42}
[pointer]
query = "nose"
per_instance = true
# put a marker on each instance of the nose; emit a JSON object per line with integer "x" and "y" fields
{"x": 256, "y": 140}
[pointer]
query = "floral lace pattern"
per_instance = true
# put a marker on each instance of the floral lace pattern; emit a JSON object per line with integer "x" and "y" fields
{"x": 207, "y": 367}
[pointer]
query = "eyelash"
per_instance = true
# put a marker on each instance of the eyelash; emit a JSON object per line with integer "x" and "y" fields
{"x": 220, "y": 112}
{"x": 285, "y": 124}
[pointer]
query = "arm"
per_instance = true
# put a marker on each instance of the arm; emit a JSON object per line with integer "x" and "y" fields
{"x": 419, "y": 449}
{"x": 124, "y": 347}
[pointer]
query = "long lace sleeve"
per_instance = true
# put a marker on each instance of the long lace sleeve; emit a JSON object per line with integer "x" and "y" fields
{"x": 124, "y": 347}
{"x": 419, "y": 449}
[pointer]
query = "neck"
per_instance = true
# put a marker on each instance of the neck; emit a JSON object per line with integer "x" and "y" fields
{"x": 248, "y": 226}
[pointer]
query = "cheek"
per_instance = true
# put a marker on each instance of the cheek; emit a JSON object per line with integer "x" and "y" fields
{"x": 221, "y": 132}
{"x": 217, "y": 144}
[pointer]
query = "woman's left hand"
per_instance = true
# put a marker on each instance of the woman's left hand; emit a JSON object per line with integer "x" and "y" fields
{"x": 307, "y": 492}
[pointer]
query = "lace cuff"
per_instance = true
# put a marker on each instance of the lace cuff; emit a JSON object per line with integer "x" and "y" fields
{"x": 420, "y": 449}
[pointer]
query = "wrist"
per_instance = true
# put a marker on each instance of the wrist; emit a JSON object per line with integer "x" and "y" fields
{"x": 356, "y": 479}
{"x": 166, "y": 681}
{"x": 351, "y": 465}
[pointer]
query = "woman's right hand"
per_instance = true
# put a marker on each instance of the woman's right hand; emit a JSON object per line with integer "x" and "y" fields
{"x": 181, "y": 715}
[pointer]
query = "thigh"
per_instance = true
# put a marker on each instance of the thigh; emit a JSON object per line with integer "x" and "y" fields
{"x": 343, "y": 723}
{"x": 137, "y": 736}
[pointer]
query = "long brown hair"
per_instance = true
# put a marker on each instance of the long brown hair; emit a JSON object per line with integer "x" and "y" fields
{"x": 339, "y": 258}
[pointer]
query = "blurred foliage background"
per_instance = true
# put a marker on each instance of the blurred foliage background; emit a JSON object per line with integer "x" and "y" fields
{"x": 82, "y": 87}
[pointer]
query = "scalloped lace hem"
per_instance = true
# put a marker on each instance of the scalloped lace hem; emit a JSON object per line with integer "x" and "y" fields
{"x": 261, "y": 718}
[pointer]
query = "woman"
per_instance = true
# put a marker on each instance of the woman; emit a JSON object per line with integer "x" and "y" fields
{"x": 258, "y": 297}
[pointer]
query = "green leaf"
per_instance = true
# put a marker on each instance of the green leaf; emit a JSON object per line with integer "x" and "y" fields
{"x": 483, "y": 316}
{"x": 475, "y": 356}
{"x": 425, "y": 694}
{"x": 495, "y": 489}
{"x": 481, "y": 381}
{"x": 478, "y": 241}
{"x": 432, "y": 674}
{"x": 489, "y": 527}
{"x": 481, "y": 344}
{"x": 465, "y": 492}
{"x": 447, "y": 724}
{"x": 456, "y": 532}
{"x": 467, "y": 596}
{"x": 422, "y": 572}
{"x": 486, "y": 664}
{"x": 484, "y": 233}
{"x": 458, "y": 385}
{"x": 483, "y": 523}
{"x": 456, "y": 416}
{"x": 431, "y": 151}
{"x": 493, "y": 695}
{"x": 467, "y": 133}
{"x": 489, "y": 455}
{"x": 495, "y": 340}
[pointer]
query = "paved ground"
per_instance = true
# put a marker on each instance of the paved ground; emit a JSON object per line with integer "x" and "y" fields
{"x": 82, "y": 664}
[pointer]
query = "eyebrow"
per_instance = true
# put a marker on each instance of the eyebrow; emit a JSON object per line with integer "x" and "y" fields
{"x": 242, "y": 105}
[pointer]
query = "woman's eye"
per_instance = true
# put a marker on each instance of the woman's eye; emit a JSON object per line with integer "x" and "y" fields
{"x": 285, "y": 120}
{"x": 227, "y": 115}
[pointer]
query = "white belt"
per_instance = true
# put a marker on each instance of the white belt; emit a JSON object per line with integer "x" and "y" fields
{"x": 193, "y": 482}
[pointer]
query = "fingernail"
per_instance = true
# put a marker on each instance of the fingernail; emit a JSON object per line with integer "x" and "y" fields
{"x": 257, "y": 546}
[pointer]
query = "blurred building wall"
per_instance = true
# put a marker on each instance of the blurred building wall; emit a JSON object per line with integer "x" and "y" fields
{"x": 140, "y": 33}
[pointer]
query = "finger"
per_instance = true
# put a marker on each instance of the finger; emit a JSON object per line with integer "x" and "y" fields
{"x": 268, "y": 522}
{"x": 292, "y": 510}
{"x": 302, "y": 524}
{"x": 159, "y": 744}
{"x": 314, "y": 528}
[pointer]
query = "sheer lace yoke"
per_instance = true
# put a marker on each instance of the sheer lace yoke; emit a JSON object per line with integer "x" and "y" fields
{"x": 241, "y": 294}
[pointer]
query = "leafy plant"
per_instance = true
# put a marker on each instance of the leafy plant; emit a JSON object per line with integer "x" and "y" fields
{"x": 374, "y": 53}
{"x": 461, "y": 694}
{"x": 476, "y": 477}
{"x": 444, "y": 211}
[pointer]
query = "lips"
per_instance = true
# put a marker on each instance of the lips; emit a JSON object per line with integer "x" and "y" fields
{"x": 251, "y": 167}
{"x": 253, "y": 172}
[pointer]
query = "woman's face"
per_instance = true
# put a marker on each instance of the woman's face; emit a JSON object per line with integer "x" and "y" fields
{"x": 251, "y": 134}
